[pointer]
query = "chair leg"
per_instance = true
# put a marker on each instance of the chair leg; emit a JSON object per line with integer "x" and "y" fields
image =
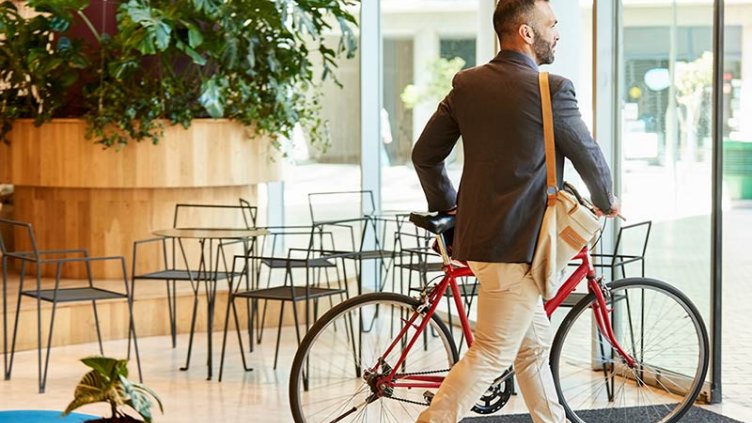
{"x": 96, "y": 325}
{"x": 171, "y": 303}
{"x": 5, "y": 317}
{"x": 39, "y": 331}
{"x": 253, "y": 314}
{"x": 131, "y": 323}
{"x": 135, "y": 343}
{"x": 295, "y": 317}
{"x": 43, "y": 380}
{"x": 130, "y": 295}
{"x": 279, "y": 331}
{"x": 15, "y": 321}
{"x": 262, "y": 324}
{"x": 193, "y": 328}
{"x": 230, "y": 303}
{"x": 240, "y": 339}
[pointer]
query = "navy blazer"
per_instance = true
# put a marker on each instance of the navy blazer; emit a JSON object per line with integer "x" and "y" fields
{"x": 496, "y": 108}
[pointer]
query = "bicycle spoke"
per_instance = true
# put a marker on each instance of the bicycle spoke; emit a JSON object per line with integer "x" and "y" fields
{"x": 334, "y": 391}
{"x": 659, "y": 329}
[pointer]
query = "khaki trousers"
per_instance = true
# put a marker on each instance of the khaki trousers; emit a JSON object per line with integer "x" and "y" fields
{"x": 511, "y": 326}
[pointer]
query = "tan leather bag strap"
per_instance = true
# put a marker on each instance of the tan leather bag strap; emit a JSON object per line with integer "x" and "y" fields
{"x": 548, "y": 134}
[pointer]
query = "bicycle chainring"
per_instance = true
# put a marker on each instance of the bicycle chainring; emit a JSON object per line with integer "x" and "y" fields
{"x": 495, "y": 398}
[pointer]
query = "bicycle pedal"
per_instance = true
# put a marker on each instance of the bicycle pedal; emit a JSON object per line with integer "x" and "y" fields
{"x": 428, "y": 396}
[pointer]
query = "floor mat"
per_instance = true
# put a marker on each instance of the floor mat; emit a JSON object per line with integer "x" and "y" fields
{"x": 694, "y": 415}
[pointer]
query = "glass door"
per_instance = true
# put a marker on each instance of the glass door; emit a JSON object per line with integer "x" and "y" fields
{"x": 666, "y": 139}
{"x": 737, "y": 199}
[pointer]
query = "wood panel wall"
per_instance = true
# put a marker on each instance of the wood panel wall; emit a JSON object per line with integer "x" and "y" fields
{"x": 211, "y": 153}
{"x": 78, "y": 195}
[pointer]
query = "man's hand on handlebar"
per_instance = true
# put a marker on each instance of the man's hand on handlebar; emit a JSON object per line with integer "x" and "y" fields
{"x": 613, "y": 212}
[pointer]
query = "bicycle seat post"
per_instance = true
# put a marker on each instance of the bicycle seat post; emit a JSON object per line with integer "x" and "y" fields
{"x": 442, "y": 249}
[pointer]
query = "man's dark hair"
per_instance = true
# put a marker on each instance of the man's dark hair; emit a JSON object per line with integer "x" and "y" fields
{"x": 510, "y": 14}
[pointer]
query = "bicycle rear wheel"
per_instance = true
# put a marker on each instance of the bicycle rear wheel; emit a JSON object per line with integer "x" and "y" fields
{"x": 328, "y": 381}
{"x": 660, "y": 328}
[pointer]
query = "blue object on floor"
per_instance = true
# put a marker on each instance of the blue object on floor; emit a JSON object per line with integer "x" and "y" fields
{"x": 42, "y": 416}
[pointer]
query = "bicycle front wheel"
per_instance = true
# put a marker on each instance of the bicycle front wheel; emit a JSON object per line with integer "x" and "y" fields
{"x": 656, "y": 325}
{"x": 330, "y": 379}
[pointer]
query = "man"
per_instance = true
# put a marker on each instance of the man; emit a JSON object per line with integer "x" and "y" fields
{"x": 496, "y": 108}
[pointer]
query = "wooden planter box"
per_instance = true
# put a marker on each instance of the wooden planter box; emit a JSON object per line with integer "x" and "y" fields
{"x": 76, "y": 194}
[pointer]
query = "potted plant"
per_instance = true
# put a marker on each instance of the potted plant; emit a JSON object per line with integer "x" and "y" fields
{"x": 108, "y": 382}
{"x": 217, "y": 83}
{"x": 174, "y": 61}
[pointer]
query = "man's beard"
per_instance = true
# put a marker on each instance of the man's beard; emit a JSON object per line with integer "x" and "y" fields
{"x": 543, "y": 49}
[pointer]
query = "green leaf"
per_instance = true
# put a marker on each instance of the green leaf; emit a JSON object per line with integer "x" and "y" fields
{"x": 305, "y": 21}
{"x": 78, "y": 61}
{"x": 349, "y": 39}
{"x": 193, "y": 54}
{"x": 230, "y": 53}
{"x": 250, "y": 56}
{"x": 108, "y": 367}
{"x": 158, "y": 30}
{"x": 211, "y": 98}
{"x": 205, "y": 6}
{"x": 162, "y": 35}
{"x": 94, "y": 387}
{"x": 194, "y": 35}
{"x": 138, "y": 398}
{"x": 139, "y": 13}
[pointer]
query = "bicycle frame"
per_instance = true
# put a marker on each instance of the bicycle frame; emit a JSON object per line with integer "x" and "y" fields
{"x": 431, "y": 301}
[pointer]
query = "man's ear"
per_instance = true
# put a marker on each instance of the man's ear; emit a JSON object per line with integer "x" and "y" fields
{"x": 526, "y": 33}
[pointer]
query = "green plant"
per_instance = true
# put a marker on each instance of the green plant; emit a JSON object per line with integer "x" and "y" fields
{"x": 107, "y": 382}
{"x": 442, "y": 71}
{"x": 246, "y": 60}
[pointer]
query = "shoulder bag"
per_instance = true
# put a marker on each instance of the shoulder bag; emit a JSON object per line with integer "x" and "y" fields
{"x": 568, "y": 224}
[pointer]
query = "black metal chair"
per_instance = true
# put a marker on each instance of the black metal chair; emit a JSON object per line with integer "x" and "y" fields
{"x": 39, "y": 259}
{"x": 323, "y": 278}
{"x": 352, "y": 216}
{"x": 171, "y": 270}
{"x": 629, "y": 250}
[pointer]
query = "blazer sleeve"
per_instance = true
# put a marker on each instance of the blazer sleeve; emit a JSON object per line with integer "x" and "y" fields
{"x": 573, "y": 139}
{"x": 432, "y": 148}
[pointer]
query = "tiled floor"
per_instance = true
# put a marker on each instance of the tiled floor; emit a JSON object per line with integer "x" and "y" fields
{"x": 678, "y": 251}
{"x": 259, "y": 396}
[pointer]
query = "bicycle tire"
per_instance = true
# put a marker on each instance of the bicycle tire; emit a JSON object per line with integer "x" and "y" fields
{"x": 323, "y": 337}
{"x": 595, "y": 369}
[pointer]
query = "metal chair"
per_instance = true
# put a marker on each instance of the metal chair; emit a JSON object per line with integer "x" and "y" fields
{"x": 629, "y": 250}
{"x": 169, "y": 254}
{"x": 355, "y": 214}
{"x": 55, "y": 295}
{"x": 323, "y": 278}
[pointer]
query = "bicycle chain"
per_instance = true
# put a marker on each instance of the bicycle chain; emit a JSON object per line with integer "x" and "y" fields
{"x": 428, "y": 372}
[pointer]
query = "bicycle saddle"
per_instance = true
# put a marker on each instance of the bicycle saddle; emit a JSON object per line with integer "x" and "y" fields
{"x": 436, "y": 223}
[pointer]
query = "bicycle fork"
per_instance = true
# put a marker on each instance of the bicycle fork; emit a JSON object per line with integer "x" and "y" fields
{"x": 600, "y": 311}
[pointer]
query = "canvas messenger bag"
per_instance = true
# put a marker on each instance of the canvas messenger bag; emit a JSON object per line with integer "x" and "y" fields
{"x": 567, "y": 225}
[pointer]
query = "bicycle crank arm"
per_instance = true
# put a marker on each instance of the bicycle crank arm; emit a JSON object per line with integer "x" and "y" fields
{"x": 504, "y": 377}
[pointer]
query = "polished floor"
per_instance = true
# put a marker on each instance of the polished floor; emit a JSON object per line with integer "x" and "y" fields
{"x": 256, "y": 396}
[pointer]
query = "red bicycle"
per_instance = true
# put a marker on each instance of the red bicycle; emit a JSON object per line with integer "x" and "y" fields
{"x": 633, "y": 350}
